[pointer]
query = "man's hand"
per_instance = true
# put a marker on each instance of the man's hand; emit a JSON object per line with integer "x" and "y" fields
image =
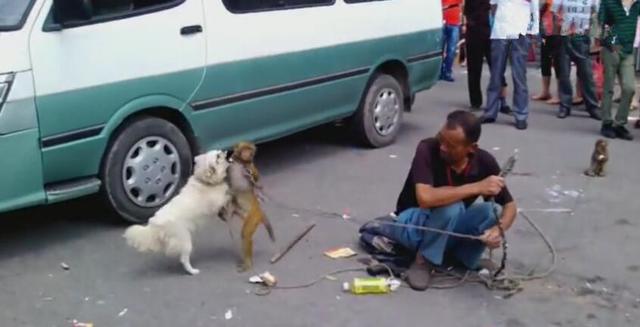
{"x": 490, "y": 186}
{"x": 492, "y": 238}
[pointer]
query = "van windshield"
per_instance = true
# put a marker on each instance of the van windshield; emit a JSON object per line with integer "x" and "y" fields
{"x": 13, "y": 13}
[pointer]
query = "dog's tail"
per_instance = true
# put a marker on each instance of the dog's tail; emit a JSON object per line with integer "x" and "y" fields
{"x": 144, "y": 238}
{"x": 267, "y": 225}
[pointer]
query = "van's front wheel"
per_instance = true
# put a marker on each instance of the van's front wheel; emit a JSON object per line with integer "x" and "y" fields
{"x": 145, "y": 166}
{"x": 377, "y": 121}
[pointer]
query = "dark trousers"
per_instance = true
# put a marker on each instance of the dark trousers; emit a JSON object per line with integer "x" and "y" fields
{"x": 546, "y": 55}
{"x": 516, "y": 50}
{"x": 478, "y": 49}
{"x": 567, "y": 49}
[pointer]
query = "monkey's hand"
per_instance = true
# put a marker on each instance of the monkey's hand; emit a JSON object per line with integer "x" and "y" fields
{"x": 227, "y": 211}
{"x": 260, "y": 194}
{"x": 249, "y": 177}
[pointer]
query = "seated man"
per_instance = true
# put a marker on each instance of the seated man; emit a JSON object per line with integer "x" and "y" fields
{"x": 447, "y": 176}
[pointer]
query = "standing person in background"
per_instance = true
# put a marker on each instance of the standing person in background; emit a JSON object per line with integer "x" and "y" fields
{"x": 546, "y": 40}
{"x": 514, "y": 20}
{"x": 619, "y": 19}
{"x": 451, "y": 13}
{"x": 478, "y": 45}
{"x": 574, "y": 19}
{"x": 636, "y": 103}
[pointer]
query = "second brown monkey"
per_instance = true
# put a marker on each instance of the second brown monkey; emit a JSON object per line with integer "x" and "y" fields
{"x": 244, "y": 183}
{"x": 599, "y": 159}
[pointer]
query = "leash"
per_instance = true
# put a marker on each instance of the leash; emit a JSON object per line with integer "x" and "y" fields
{"x": 509, "y": 283}
{"x": 504, "y": 171}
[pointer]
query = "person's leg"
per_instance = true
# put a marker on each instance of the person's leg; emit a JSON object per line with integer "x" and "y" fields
{"x": 627, "y": 87}
{"x": 429, "y": 246}
{"x": 462, "y": 40}
{"x": 579, "y": 52}
{"x": 578, "y": 96}
{"x": 446, "y": 35}
{"x": 475, "y": 54}
{"x": 476, "y": 219}
{"x": 545, "y": 68}
{"x": 433, "y": 245}
{"x": 518, "y": 55}
{"x": 498, "y": 67}
{"x": 610, "y": 61}
{"x": 563, "y": 69}
{"x": 504, "y": 106}
{"x": 452, "y": 44}
{"x": 553, "y": 43}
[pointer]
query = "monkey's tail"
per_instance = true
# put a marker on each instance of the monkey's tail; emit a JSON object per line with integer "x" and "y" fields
{"x": 267, "y": 225}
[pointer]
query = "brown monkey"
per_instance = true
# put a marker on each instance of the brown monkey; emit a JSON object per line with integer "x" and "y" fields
{"x": 599, "y": 159}
{"x": 245, "y": 189}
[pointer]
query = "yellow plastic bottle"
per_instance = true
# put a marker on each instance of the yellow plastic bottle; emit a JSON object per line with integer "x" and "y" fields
{"x": 367, "y": 285}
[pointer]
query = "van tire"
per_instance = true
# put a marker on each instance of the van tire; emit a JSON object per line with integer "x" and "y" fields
{"x": 130, "y": 142}
{"x": 384, "y": 93}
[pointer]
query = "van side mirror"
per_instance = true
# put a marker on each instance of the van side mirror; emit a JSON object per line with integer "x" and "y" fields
{"x": 66, "y": 11}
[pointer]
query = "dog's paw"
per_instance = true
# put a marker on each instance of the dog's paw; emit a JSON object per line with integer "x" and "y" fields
{"x": 193, "y": 271}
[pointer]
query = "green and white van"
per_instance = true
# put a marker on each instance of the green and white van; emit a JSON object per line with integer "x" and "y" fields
{"x": 118, "y": 95}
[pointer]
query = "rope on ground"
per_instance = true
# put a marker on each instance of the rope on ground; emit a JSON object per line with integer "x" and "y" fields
{"x": 511, "y": 283}
{"x": 266, "y": 290}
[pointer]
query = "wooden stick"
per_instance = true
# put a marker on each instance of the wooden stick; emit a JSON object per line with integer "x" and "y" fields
{"x": 281, "y": 254}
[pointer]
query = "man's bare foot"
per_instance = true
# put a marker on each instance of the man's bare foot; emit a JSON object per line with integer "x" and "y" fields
{"x": 553, "y": 101}
{"x": 577, "y": 101}
{"x": 541, "y": 97}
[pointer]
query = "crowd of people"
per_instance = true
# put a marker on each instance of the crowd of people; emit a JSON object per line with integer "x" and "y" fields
{"x": 599, "y": 37}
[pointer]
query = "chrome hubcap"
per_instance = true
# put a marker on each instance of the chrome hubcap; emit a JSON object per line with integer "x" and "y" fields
{"x": 151, "y": 171}
{"x": 386, "y": 111}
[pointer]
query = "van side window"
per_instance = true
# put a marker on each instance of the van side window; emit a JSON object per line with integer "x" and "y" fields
{"x": 359, "y": 1}
{"x": 88, "y": 12}
{"x": 245, "y": 6}
{"x": 118, "y": 7}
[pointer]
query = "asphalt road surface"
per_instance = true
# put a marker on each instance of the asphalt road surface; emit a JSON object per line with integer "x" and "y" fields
{"x": 596, "y": 281}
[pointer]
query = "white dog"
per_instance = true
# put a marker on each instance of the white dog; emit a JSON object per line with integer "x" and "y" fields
{"x": 199, "y": 201}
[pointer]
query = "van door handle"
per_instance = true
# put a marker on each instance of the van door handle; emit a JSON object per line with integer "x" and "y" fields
{"x": 193, "y": 29}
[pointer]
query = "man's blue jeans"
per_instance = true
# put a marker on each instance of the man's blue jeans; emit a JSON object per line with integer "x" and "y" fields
{"x": 450, "y": 38}
{"x": 516, "y": 50}
{"x": 456, "y": 218}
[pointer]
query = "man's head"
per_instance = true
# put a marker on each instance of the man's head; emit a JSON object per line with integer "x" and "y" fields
{"x": 459, "y": 136}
